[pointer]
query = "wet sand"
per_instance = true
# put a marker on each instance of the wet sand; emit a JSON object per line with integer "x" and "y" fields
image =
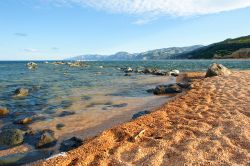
{"x": 93, "y": 111}
{"x": 208, "y": 125}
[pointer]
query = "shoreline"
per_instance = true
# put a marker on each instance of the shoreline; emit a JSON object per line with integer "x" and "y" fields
{"x": 199, "y": 127}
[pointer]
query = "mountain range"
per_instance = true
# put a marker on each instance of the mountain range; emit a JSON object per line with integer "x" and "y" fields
{"x": 229, "y": 48}
{"x": 158, "y": 54}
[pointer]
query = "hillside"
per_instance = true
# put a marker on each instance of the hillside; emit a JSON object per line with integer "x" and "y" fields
{"x": 230, "y": 48}
{"x": 158, "y": 54}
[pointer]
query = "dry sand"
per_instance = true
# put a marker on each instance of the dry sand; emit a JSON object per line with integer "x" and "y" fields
{"x": 209, "y": 125}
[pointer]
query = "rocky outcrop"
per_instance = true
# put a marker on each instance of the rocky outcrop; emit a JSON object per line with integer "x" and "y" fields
{"x": 217, "y": 70}
{"x": 11, "y": 136}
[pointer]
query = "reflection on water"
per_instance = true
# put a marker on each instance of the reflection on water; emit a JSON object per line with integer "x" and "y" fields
{"x": 82, "y": 101}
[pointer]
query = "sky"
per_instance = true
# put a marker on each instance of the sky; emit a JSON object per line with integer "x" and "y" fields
{"x": 59, "y": 29}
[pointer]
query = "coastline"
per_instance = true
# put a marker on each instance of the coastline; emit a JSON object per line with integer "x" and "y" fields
{"x": 209, "y": 124}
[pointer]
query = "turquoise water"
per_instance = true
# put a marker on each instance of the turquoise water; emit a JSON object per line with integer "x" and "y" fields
{"x": 50, "y": 81}
{"x": 94, "y": 93}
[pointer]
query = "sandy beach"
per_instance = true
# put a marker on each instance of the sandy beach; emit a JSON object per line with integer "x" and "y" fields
{"x": 208, "y": 125}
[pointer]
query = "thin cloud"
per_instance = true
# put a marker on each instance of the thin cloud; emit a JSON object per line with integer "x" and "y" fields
{"x": 21, "y": 34}
{"x": 54, "y": 48}
{"x": 31, "y": 50}
{"x": 160, "y": 7}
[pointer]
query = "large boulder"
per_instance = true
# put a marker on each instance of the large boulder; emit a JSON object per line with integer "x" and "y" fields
{"x": 167, "y": 89}
{"x": 4, "y": 111}
{"x": 21, "y": 92}
{"x": 70, "y": 144}
{"x": 11, "y": 136}
{"x": 46, "y": 140}
{"x": 217, "y": 70}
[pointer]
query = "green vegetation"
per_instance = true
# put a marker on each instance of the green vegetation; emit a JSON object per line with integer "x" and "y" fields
{"x": 220, "y": 50}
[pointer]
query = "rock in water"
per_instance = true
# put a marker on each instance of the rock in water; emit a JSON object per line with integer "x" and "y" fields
{"x": 70, "y": 144}
{"x": 128, "y": 70}
{"x": 24, "y": 120}
{"x": 11, "y": 136}
{"x": 31, "y": 65}
{"x": 165, "y": 89}
{"x": 127, "y": 74}
{"x": 174, "y": 73}
{"x": 21, "y": 92}
{"x": 217, "y": 70}
{"x": 173, "y": 88}
{"x": 150, "y": 71}
{"x": 160, "y": 89}
{"x": 3, "y": 111}
{"x": 139, "y": 114}
{"x": 59, "y": 126}
{"x": 77, "y": 64}
{"x": 47, "y": 139}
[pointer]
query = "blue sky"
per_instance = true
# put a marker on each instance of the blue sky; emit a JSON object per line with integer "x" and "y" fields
{"x": 58, "y": 29}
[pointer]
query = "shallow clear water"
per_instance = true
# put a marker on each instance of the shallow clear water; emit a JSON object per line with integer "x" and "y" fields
{"x": 95, "y": 95}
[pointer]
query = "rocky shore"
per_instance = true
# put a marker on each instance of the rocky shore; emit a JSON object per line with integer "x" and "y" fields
{"x": 208, "y": 125}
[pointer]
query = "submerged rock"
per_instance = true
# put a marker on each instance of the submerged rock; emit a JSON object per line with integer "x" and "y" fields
{"x": 4, "y": 111}
{"x": 66, "y": 113}
{"x": 59, "y": 126}
{"x": 24, "y": 158}
{"x": 11, "y": 136}
{"x": 150, "y": 90}
{"x": 120, "y": 105}
{"x": 70, "y": 144}
{"x": 127, "y": 74}
{"x": 139, "y": 114}
{"x": 21, "y": 92}
{"x": 217, "y": 70}
{"x": 46, "y": 140}
{"x": 32, "y": 65}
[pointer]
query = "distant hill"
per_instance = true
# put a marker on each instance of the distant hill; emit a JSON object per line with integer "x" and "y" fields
{"x": 158, "y": 54}
{"x": 230, "y": 48}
